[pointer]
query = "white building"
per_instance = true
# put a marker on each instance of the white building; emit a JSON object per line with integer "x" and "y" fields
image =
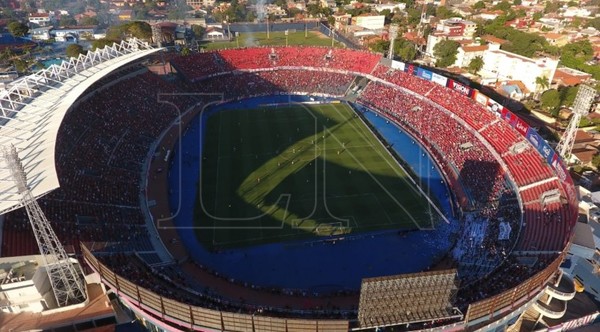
{"x": 42, "y": 33}
{"x": 500, "y": 66}
{"x": 453, "y": 29}
{"x": 27, "y": 301}
{"x": 391, "y": 6}
{"x": 371, "y": 22}
{"x": 197, "y": 4}
{"x": 74, "y": 34}
{"x": 42, "y": 19}
{"x": 467, "y": 53}
{"x": 577, "y": 12}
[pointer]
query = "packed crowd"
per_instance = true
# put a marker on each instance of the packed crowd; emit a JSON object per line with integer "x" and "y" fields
{"x": 200, "y": 65}
{"x": 100, "y": 151}
{"x": 244, "y": 85}
{"x": 476, "y": 169}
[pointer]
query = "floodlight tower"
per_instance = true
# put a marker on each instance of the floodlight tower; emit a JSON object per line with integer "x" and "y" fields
{"x": 393, "y": 35}
{"x": 581, "y": 106}
{"x": 157, "y": 34}
{"x": 66, "y": 283}
{"x": 421, "y": 28}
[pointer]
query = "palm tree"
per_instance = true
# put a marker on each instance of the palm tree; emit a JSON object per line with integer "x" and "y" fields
{"x": 541, "y": 83}
{"x": 476, "y": 64}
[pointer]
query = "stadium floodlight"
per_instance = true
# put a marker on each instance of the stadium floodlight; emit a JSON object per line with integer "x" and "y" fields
{"x": 408, "y": 298}
{"x": 392, "y": 35}
{"x": 66, "y": 283}
{"x": 581, "y": 106}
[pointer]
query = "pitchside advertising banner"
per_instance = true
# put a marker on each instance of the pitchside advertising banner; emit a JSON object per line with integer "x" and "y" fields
{"x": 398, "y": 65}
{"x": 538, "y": 142}
{"x": 411, "y": 69}
{"x": 480, "y": 98}
{"x": 439, "y": 79}
{"x": 425, "y": 74}
{"x": 462, "y": 89}
{"x": 494, "y": 106}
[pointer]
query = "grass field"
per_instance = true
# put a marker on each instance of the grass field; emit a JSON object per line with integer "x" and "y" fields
{"x": 278, "y": 174}
{"x": 314, "y": 38}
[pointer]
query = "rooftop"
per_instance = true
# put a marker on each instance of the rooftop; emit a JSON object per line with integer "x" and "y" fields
{"x": 478, "y": 48}
{"x": 494, "y": 39}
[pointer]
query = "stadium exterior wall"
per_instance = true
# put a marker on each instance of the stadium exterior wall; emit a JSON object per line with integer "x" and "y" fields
{"x": 163, "y": 312}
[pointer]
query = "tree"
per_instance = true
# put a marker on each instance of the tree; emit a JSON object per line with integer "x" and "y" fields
{"x": 67, "y": 20}
{"x": 445, "y": 53}
{"x": 380, "y": 46}
{"x": 537, "y": 16}
{"x": 137, "y": 29}
{"x": 101, "y": 43}
{"x": 18, "y": 29}
{"x": 476, "y": 64}
{"x": 74, "y": 50}
{"x": 567, "y": 95}
{"x": 87, "y": 20}
{"x": 405, "y": 50}
{"x": 198, "y": 31}
{"x": 185, "y": 51}
{"x": 478, "y": 5}
{"x": 541, "y": 84}
{"x": 596, "y": 160}
{"x": 551, "y": 100}
{"x": 551, "y": 7}
{"x": 595, "y": 23}
{"x": 503, "y": 6}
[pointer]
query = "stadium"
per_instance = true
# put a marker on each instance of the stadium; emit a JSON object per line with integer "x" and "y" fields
{"x": 290, "y": 189}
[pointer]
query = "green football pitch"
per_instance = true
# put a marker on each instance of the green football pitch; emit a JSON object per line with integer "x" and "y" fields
{"x": 283, "y": 173}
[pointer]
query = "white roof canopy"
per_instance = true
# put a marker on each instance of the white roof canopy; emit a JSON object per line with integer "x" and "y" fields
{"x": 32, "y": 109}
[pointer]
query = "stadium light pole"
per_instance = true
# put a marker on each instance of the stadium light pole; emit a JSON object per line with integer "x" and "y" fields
{"x": 268, "y": 26}
{"x": 286, "y": 38}
{"x": 332, "y": 37}
{"x": 305, "y": 30}
{"x": 237, "y": 39}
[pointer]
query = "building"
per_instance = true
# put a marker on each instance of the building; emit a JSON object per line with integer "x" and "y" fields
{"x": 27, "y": 300}
{"x": 500, "y": 66}
{"x": 391, "y": 6}
{"x": 514, "y": 89}
{"x": 556, "y": 39}
{"x": 275, "y": 10}
{"x": 42, "y": 33}
{"x": 342, "y": 20}
{"x": 565, "y": 76}
{"x": 368, "y": 21}
{"x": 494, "y": 40}
{"x": 467, "y": 53}
{"x": 41, "y": 19}
{"x": 125, "y": 15}
{"x": 576, "y": 12}
{"x": 198, "y": 4}
{"x": 456, "y": 29}
{"x": 74, "y": 33}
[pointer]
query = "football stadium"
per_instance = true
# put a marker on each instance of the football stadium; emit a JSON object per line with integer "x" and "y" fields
{"x": 283, "y": 189}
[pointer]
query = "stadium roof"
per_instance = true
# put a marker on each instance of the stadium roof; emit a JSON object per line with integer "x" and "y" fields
{"x": 32, "y": 109}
